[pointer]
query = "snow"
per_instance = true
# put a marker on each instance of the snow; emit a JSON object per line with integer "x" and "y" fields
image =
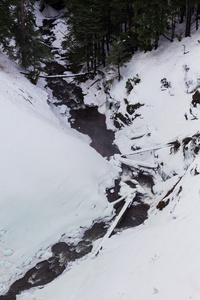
{"x": 52, "y": 183}
{"x": 47, "y": 13}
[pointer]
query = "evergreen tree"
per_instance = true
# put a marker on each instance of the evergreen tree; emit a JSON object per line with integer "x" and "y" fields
{"x": 151, "y": 19}
{"x": 87, "y": 35}
{"x": 111, "y": 28}
{"x": 118, "y": 56}
{"x": 119, "y": 16}
{"x": 57, "y": 4}
{"x": 30, "y": 48}
{"x": 184, "y": 10}
{"x": 189, "y": 12}
{"x": 6, "y": 23}
{"x": 122, "y": 13}
{"x": 197, "y": 13}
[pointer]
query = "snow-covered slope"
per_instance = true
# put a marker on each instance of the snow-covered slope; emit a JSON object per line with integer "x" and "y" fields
{"x": 159, "y": 259}
{"x": 51, "y": 182}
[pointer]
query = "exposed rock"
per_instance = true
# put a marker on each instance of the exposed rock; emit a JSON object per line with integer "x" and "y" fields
{"x": 131, "y": 108}
{"x": 120, "y": 120}
{"x": 162, "y": 204}
{"x": 196, "y": 98}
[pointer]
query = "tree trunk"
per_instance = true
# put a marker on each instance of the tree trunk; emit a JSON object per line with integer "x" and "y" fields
{"x": 188, "y": 20}
{"x": 22, "y": 26}
{"x": 197, "y": 16}
{"x": 118, "y": 70}
{"x": 173, "y": 29}
{"x": 95, "y": 56}
{"x": 103, "y": 51}
{"x": 107, "y": 43}
{"x": 182, "y": 13}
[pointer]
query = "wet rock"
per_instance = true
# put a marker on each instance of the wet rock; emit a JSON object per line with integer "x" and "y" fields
{"x": 60, "y": 248}
{"x": 135, "y": 215}
{"x": 54, "y": 68}
{"x": 66, "y": 93}
{"x": 175, "y": 146}
{"x": 64, "y": 252}
{"x": 83, "y": 248}
{"x": 112, "y": 194}
{"x": 162, "y": 204}
{"x": 191, "y": 145}
{"x": 165, "y": 84}
{"x": 144, "y": 179}
{"x": 131, "y": 108}
{"x": 186, "y": 141}
{"x": 196, "y": 98}
{"x": 45, "y": 30}
{"x": 120, "y": 120}
{"x": 97, "y": 231}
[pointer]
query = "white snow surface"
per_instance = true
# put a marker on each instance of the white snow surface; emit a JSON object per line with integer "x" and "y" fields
{"x": 51, "y": 183}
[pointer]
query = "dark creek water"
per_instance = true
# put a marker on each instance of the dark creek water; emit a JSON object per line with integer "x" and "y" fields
{"x": 89, "y": 121}
{"x": 62, "y": 253}
{"x": 85, "y": 119}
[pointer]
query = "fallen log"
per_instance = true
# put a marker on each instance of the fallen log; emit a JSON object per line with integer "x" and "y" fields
{"x": 128, "y": 202}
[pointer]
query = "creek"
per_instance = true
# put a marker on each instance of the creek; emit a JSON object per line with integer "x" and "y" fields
{"x": 87, "y": 120}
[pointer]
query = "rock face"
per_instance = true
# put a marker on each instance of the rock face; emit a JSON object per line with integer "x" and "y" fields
{"x": 196, "y": 98}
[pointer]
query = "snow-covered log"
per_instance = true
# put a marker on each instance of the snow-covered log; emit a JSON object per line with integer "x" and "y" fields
{"x": 129, "y": 200}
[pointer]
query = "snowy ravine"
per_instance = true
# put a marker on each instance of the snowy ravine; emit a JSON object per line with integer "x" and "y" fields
{"x": 159, "y": 259}
{"x": 52, "y": 183}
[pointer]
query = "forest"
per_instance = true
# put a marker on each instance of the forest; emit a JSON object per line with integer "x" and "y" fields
{"x": 101, "y": 33}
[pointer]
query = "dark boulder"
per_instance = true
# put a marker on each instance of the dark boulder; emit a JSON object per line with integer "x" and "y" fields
{"x": 196, "y": 98}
